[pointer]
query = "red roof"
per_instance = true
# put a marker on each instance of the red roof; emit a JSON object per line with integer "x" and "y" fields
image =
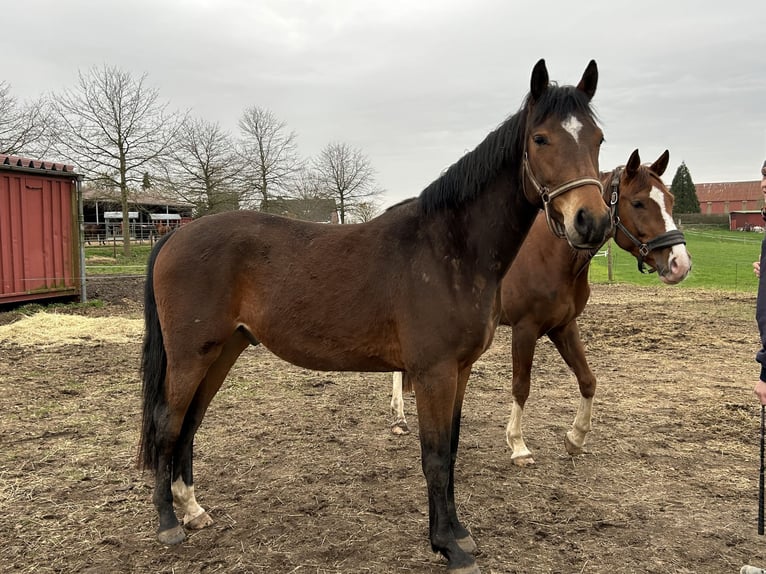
{"x": 728, "y": 191}
{"x": 26, "y": 163}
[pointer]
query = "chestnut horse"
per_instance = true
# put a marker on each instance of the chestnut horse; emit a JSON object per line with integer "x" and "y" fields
{"x": 415, "y": 289}
{"x": 547, "y": 288}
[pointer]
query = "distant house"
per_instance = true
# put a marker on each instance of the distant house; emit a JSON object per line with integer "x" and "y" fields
{"x": 310, "y": 209}
{"x": 725, "y": 197}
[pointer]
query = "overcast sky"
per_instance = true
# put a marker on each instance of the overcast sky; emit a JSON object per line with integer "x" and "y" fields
{"x": 415, "y": 84}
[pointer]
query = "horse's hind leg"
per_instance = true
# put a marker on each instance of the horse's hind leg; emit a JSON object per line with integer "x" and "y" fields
{"x": 399, "y": 426}
{"x": 169, "y": 425}
{"x": 570, "y": 346}
{"x": 523, "y": 345}
{"x": 182, "y": 486}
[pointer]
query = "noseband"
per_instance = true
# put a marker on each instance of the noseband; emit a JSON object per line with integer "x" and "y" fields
{"x": 548, "y": 195}
{"x": 667, "y": 239}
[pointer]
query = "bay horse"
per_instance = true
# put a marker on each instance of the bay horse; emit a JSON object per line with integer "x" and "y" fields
{"x": 546, "y": 290}
{"x": 415, "y": 289}
{"x": 95, "y": 231}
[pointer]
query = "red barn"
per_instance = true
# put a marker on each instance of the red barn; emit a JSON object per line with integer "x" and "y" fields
{"x": 726, "y": 197}
{"x": 39, "y": 230}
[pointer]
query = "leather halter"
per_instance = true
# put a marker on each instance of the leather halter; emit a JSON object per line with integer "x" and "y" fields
{"x": 548, "y": 195}
{"x": 667, "y": 239}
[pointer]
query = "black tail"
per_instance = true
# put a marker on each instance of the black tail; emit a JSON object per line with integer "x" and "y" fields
{"x": 153, "y": 367}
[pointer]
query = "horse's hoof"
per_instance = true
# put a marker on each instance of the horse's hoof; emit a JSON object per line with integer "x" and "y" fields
{"x": 571, "y": 447}
{"x": 467, "y": 544}
{"x": 172, "y": 536}
{"x": 199, "y": 522}
{"x": 400, "y": 428}
{"x": 523, "y": 461}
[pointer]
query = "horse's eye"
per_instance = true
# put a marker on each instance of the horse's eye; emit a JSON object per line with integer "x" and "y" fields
{"x": 540, "y": 140}
{"x": 637, "y": 204}
{"x": 602, "y": 140}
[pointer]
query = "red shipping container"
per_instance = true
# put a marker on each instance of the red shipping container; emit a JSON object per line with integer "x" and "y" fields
{"x": 39, "y": 230}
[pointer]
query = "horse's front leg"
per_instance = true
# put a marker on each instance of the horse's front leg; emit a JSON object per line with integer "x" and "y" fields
{"x": 523, "y": 345}
{"x": 570, "y": 346}
{"x": 462, "y": 535}
{"x": 436, "y": 398}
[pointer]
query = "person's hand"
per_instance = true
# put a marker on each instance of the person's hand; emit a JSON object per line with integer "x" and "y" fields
{"x": 760, "y": 391}
{"x": 757, "y": 268}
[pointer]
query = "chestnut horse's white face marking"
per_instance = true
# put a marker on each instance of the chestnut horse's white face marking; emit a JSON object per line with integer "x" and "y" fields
{"x": 679, "y": 262}
{"x": 659, "y": 199}
{"x": 573, "y": 126}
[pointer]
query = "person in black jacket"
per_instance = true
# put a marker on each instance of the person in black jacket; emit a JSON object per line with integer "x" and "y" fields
{"x": 760, "y": 306}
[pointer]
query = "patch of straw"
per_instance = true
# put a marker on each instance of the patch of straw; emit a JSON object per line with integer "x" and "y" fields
{"x": 53, "y": 329}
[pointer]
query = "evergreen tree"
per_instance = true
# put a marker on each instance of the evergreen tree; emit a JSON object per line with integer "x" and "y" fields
{"x": 684, "y": 192}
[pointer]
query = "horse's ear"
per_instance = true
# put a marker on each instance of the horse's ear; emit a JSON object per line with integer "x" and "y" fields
{"x": 634, "y": 162}
{"x": 540, "y": 79}
{"x": 661, "y": 164}
{"x": 589, "y": 80}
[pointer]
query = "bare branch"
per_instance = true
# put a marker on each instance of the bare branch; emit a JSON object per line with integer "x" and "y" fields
{"x": 113, "y": 126}
{"x": 345, "y": 174}
{"x": 269, "y": 154}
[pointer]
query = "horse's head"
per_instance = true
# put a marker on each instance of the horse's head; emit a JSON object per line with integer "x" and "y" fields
{"x": 644, "y": 224}
{"x": 562, "y": 143}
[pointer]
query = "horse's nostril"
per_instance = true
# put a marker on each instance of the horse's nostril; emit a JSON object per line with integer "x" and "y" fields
{"x": 581, "y": 220}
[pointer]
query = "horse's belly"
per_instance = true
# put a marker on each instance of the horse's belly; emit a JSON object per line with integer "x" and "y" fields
{"x": 324, "y": 353}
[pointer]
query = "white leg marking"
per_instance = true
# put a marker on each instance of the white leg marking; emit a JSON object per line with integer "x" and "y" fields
{"x": 183, "y": 496}
{"x": 399, "y": 426}
{"x": 581, "y": 425}
{"x": 513, "y": 435}
{"x": 573, "y": 126}
{"x": 397, "y": 401}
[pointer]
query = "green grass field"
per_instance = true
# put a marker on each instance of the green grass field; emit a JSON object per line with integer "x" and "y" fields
{"x": 109, "y": 260}
{"x": 720, "y": 260}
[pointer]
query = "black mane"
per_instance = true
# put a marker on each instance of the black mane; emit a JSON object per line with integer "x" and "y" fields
{"x": 469, "y": 176}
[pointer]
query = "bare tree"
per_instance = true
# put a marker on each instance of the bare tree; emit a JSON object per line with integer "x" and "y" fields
{"x": 269, "y": 154}
{"x": 23, "y": 127}
{"x": 365, "y": 211}
{"x": 113, "y": 127}
{"x": 347, "y": 176}
{"x": 204, "y": 171}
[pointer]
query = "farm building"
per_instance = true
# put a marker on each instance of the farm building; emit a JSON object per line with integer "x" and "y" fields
{"x": 40, "y": 251}
{"x": 315, "y": 209}
{"x": 746, "y": 220}
{"x": 726, "y": 197}
{"x": 147, "y": 213}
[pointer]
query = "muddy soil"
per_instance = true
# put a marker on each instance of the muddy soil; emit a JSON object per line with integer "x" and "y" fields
{"x": 301, "y": 474}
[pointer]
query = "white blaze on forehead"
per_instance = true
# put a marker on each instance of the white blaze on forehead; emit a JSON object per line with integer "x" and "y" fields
{"x": 659, "y": 198}
{"x": 573, "y": 126}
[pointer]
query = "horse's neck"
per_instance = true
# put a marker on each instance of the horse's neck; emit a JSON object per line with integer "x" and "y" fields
{"x": 540, "y": 245}
{"x": 498, "y": 221}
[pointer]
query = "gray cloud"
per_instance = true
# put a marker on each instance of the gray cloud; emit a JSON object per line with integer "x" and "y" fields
{"x": 415, "y": 85}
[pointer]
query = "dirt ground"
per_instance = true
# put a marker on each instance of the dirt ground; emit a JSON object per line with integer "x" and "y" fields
{"x": 301, "y": 474}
